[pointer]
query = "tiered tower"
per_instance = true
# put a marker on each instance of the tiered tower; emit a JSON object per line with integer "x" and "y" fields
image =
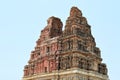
{"x": 66, "y": 55}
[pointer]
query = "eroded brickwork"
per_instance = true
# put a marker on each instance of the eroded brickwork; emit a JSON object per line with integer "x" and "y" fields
{"x": 66, "y": 55}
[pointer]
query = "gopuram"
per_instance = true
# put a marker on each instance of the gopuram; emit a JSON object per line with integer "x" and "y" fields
{"x": 69, "y": 54}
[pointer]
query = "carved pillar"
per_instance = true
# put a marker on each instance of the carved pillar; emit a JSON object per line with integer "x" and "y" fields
{"x": 75, "y": 61}
{"x": 75, "y": 46}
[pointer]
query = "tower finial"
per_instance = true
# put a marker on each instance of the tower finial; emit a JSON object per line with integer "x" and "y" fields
{"x": 75, "y": 12}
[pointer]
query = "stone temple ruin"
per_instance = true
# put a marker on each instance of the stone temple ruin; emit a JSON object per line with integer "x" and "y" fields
{"x": 70, "y": 54}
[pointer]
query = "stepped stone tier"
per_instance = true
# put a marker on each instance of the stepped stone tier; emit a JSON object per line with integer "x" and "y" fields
{"x": 70, "y": 54}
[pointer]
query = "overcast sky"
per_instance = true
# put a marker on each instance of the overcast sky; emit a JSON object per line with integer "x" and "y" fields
{"x": 22, "y": 20}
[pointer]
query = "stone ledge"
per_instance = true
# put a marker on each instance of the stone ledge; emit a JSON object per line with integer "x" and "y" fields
{"x": 67, "y": 72}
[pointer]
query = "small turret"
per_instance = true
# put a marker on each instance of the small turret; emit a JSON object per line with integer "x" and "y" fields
{"x": 53, "y": 28}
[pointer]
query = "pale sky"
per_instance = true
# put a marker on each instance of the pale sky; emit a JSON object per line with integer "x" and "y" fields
{"x": 22, "y": 20}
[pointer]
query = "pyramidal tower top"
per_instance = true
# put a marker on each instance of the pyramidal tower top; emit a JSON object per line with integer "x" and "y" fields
{"x": 76, "y": 18}
{"x": 70, "y": 54}
{"x": 75, "y": 12}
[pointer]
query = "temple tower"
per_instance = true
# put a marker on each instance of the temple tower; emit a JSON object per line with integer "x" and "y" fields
{"x": 70, "y": 54}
